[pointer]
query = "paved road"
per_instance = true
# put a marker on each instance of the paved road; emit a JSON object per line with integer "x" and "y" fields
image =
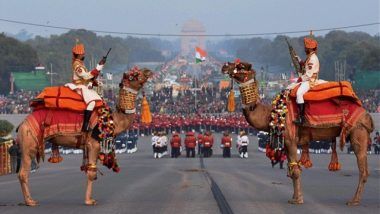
{"x": 147, "y": 185}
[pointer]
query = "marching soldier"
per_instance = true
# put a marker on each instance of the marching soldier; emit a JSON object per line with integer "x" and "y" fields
{"x": 175, "y": 143}
{"x": 83, "y": 80}
{"x": 243, "y": 142}
{"x": 226, "y": 143}
{"x": 154, "y": 141}
{"x": 200, "y": 143}
{"x": 190, "y": 143}
{"x": 208, "y": 142}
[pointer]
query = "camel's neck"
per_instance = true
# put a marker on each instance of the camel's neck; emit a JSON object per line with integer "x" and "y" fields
{"x": 259, "y": 117}
{"x": 256, "y": 114}
{"x": 125, "y": 112}
{"x": 122, "y": 121}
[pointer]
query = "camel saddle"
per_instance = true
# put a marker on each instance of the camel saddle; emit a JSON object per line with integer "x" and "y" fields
{"x": 328, "y": 90}
{"x": 61, "y": 97}
{"x": 331, "y": 104}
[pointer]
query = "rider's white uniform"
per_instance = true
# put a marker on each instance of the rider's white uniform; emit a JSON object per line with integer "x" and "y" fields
{"x": 82, "y": 82}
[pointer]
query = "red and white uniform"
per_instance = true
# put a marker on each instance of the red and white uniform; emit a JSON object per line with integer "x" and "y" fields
{"x": 190, "y": 140}
{"x": 200, "y": 139}
{"x": 175, "y": 142}
{"x": 226, "y": 141}
{"x": 208, "y": 141}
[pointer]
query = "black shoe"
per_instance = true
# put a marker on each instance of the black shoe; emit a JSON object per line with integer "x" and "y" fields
{"x": 86, "y": 121}
{"x": 301, "y": 114}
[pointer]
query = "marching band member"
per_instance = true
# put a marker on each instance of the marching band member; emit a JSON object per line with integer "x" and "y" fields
{"x": 190, "y": 143}
{"x": 208, "y": 142}
{"x": 175, "y": 143}
{"x": 243, "y": 142}
{"x": 226, "y": 143}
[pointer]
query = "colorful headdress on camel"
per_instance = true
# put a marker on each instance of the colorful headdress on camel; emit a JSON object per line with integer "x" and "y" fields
{"x": 310, "y": 42}
{"x": 78, "y": 48}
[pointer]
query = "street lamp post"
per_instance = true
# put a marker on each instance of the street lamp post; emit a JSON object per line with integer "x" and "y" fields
{"x": 51, "y": 74}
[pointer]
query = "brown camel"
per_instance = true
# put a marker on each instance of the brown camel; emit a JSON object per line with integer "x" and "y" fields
{"x": 258, "y": 116}
{"x": 123, "y": 118}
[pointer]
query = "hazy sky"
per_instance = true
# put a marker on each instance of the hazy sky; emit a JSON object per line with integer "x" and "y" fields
{"x": 167, "y": 16}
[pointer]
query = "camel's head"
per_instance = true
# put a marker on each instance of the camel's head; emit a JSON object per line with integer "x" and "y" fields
{"x": 240, "y": 71}
{"x": 135, "y": 78}
{"x": 132, "y": 82}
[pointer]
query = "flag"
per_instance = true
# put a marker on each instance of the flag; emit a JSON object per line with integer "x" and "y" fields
{"x": 109, "y": 76}
{"x": 200, "y": 55}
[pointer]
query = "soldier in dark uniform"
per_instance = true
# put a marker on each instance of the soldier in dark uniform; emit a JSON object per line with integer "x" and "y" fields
{"x": 376, "y": 143}
{"x": 15, "y": 153}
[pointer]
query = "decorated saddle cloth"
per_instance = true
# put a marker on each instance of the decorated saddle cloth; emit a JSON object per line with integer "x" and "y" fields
{"x": 47, "y": 123}
{"x": 61, "y": 97}
{"x": 329, "y": 104}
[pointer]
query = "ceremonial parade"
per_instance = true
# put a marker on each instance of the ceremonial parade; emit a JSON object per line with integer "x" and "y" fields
{"x": 198, "y": 110}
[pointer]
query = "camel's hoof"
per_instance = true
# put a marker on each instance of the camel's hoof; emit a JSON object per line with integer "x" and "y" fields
{"x": 91, "y": 202}
{"x": 307, "y": 164}
{"x": 334, "y": 167}
{"x": 295, "y": 201}
{"x": 353, "y": 203}
{"x": 31, "y": 203}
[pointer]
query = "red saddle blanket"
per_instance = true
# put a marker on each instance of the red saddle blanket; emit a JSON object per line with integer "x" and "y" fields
{"x": 61, "y": 97}
{"x": 328, "y": 90}
{"x": 47, "y": 123}
{"x": 327, "y": 113}
{"x": 344, "y": 113}
{"x": 331, "y": 104}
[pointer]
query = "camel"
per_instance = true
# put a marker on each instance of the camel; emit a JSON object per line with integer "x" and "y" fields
{"x": 258, "y": 116}
{"x": 123, "y": 117}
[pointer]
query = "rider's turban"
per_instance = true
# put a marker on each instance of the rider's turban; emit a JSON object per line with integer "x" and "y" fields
{"x": 78, "y": 48}
{"x": 310, "y": 43}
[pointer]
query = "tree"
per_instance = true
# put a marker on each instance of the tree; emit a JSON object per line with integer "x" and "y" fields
{"x": 15, "y": 56}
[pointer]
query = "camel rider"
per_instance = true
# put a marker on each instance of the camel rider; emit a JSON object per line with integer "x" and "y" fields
{"x": 310, "y": 77}
{"x": 82, "y": 82}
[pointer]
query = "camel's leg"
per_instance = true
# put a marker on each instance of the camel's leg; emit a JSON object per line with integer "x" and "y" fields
{"x": 334, "y": 163}
{"x": 93, "y": 148}
{"x": 294, "y": 171}
{"x": 305, "y": 157}
{"x": 359, "y": 139}
{"x": 28, "y": 150}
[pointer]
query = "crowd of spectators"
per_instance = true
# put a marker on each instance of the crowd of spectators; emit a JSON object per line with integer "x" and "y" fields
{"x": 17, "y": 103}
{"x": 200, "y": 101}
{"x": 370, "y": 100}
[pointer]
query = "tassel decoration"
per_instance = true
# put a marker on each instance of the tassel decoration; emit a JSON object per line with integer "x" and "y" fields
{"x": 146, "y": 115}
{"x": 231, "y": 99}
